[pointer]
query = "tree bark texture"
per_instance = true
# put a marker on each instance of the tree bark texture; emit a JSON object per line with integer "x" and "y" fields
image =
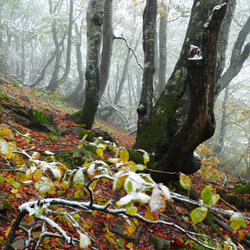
{"x": 200, "y": 123}
{"x": 162, "y": 54}
{"x": 108, "y": 38}
{"x": 95, "y": 15}
{"x": 166, "y": 117}
{"x": 238, "y": 57}
{"x": 149, "y": 28}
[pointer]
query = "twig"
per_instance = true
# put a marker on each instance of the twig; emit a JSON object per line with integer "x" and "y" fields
{"x": 130, "y": 48}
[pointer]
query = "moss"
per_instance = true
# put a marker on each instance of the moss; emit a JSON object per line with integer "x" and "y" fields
{"x": 161, "y": 118}
{"x": 136, "y": 156}
{"x": 39, "y": 116}
{"x": 242, "y": 189}
{"x": 4, "y": 97}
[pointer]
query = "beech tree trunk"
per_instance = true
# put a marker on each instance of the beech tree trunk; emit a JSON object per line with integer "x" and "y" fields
{"x": 108, "y": 38}
{"x": 171, "y": 135}
{"x": 95, "y": 15}
{"x": 149, "y": 28}
{"x": 162, "y": 52}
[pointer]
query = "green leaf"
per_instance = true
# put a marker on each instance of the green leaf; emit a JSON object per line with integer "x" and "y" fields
{"x": 79, "y": 179}
{"x": 141, "y": 167}
{"x": 208, "y": 197}
{"x": 237, "y": 221}
{"x": 124, "y": 155}
{"x": 131, "y": 209}
{"x": 129, "y": 186}
{"x": 198, "y": 214}
{"x": 185, "y": 181}
{"x": 13, "y": 182}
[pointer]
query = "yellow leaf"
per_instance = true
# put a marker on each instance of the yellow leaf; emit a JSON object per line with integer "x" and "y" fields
{"x": 129, "y": 245}
{"x": 124, "y": 155}
{"x": 14, "y": 190}
{"x": 7, "y": 231}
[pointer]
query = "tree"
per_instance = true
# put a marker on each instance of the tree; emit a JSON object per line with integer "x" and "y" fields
{"x": 146, "y": 100}
{"x": 168, "y": 134}
{"x": 54, "y": 82}
{"x": 95, "y": 15}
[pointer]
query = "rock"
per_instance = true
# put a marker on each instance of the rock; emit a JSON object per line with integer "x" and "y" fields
{"x": 25, "y": 98}
{"x": 3, "y": 201}
{"x": 159, "y": 242}
{"x": 41, "y": 120}
{"x": 118, "y": 228}
{"x": 21, "y": 120}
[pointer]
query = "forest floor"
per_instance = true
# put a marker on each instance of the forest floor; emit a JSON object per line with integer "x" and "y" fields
{"x": 97, "y": 224}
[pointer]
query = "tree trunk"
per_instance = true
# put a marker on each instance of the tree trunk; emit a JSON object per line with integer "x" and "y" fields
{"x": 164, "y": 122}
{"x": 108, "y": 38}
{"x": 200, "y": 123}
{"x": 149, "y": 28}
{"x": 55, "y": 82}
{"x": 218, "y": 148}
{"x": 163, "y": 53}
{"x": 77, "y": 95}
{"x": 238, "y": 57}
{"x": 95, "y": 14}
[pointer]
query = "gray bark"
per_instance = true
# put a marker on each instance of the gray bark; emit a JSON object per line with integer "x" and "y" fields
{"x": 163, "y": 54}
{"x": 238, "y": 57}
{"x": 95, "y": 15}
{"x": 149, "y": 29}
{"x": 107, "y": 45}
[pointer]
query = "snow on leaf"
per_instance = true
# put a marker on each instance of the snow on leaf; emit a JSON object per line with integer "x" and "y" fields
{"x": 79, "y": 179}
{"x": 6, "y": 149}
{"x": 143, "y": 198}
{"x": 84, "y": 241}
{"x": 237, "y": 221}
{"x": 125, "y": 200}
{"x": 198, "y": 214}
{"x": 165, "y": 192}
{"x": 44, "y": 185}
{"x": 48, "y": 152}
{"x": 157, "y": 203}
{"x": 136, "y": 180}
{"x": 91, "y": 171}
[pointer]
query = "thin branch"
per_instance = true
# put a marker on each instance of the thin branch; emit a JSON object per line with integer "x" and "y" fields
{"x": 130, "y": 48}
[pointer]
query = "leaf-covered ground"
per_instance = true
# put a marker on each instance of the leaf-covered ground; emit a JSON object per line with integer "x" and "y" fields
{"x": 97, "y": 223}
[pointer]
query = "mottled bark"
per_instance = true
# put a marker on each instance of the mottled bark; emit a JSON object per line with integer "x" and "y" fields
{"x": 146, "y": 100}
{"x": 238, "y": 57}
{"x": 166, "y": 116}
{"x": 200, "y": 123}
{"x": 95, "y": 14}
{"x": 162, "y": 54}
{"x": 107, "y": 45}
